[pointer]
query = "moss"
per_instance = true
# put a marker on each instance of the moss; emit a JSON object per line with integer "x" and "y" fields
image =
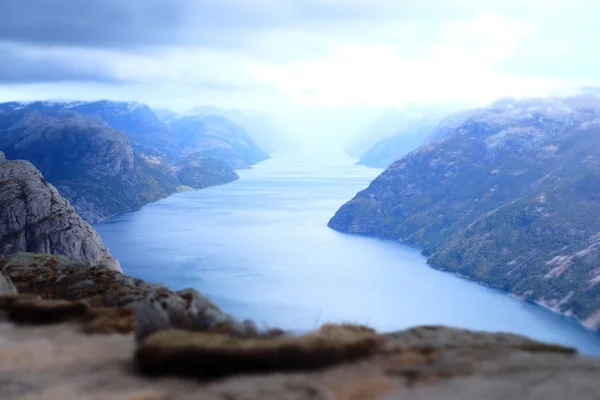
{"x": 538, "y": 347}
{"x": 7, "y": 301}
{"x": 108, "y": 320}
{"x": 45, "y": 311}
{"x": 210, "y": 355}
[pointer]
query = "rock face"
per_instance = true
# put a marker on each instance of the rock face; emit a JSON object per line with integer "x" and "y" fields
{"x": 6, "y": 285}
{"x": 58, "y": 277}
{"x": 93, "y": 165}
{"x": 507, "y": 197}
{"x": 35, "y": 217}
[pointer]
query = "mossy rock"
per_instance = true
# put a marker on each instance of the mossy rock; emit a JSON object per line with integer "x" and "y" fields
{"x": 211, "y": 355}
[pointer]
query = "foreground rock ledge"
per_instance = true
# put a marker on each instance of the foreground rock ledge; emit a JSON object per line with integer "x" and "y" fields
{"x": 50, "y": 348}
{"x": 61, "y": 362}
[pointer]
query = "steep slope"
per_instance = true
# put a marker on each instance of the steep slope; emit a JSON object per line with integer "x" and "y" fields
{"x": 544, "y": 247}
{"x": 92, "y": 164}
{"x": 145, "y": 131}
{"x": 382, "y": 128}
{"x": 216, "y": 137}
{"x": 409, "y": 138}
{"x": 34, "y": 217}
{"x": 395, "y": 134}
{"x": 472, "y": 201}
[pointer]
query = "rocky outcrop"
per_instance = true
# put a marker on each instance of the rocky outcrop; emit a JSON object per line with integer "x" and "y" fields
{"x": 35, "y": 217}
{"x": 6, "y": 285}
{"x": 57, "y": 277}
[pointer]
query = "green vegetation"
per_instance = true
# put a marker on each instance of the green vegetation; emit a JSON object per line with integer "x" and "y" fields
{"x": 510, "y": 198}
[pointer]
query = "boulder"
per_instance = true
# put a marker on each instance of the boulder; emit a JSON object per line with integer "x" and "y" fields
{"x": 6, "y": 286}
{"x": 34, "y": 217}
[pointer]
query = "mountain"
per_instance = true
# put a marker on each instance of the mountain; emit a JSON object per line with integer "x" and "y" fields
{"x": 261, "y": 127}
{"x": 507, "y": 196}
{"x": 170, "y": 140}
{"x": 216, "y": 137}
{"x": 395, "y": 134}
{"x": 136, "y": 120}
{"x": 93, "y": 165}
{"x": 382, "y": 128}
{"x": 35, "y": 217}
{"x": 409, "y": 138}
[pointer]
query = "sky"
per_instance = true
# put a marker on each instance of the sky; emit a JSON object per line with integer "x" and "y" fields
{"x": 325, "y": 67}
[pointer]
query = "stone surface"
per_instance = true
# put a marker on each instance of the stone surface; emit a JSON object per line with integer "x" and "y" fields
{"x": 6, "y": 285}
{"x": 50, "y": 354}
{"x": 35, "y": 217}
{"x": 433, "y": 363}
{"x": 157, "y": 307}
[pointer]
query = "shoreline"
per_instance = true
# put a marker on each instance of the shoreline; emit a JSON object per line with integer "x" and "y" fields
{"x": 568, "y": 317}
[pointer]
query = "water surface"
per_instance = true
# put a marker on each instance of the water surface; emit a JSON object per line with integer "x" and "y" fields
{"x": 261, "y": 249}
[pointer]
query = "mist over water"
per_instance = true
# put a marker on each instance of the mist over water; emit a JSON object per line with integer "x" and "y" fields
{"x": 261, "y": 249}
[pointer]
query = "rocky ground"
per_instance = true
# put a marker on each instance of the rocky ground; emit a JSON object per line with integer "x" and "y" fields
{"x": 98, "y": 334}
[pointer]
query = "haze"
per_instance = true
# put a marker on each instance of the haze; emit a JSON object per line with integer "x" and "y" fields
{"x": 325, "y": 68}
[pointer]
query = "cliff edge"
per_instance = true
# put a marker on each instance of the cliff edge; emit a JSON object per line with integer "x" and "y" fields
{"x": 35, "y": 217}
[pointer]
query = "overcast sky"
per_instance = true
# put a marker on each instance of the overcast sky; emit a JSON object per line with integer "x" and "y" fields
{"x": 300, "y": 58}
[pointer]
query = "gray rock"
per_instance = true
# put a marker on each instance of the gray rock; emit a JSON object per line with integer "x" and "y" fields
{"x": 196, "y": 299}
{"x": 149, "y": 319}
{"x": 34, "y": 217}
{"x": 6, "y": 286}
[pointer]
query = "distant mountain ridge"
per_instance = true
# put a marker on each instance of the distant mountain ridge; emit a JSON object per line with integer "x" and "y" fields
{"x": 507, "y": 195}
{"x": 262, "y": 127}
{"x": 217, "y": 137}
{"x": 395, "y": 134}
{"x": 95, "y": 165}
{"x": 153, "y": 137}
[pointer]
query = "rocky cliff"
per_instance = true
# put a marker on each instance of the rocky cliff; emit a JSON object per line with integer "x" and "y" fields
{"x": 35, "y": 217}
{"x": 506, "y": 196}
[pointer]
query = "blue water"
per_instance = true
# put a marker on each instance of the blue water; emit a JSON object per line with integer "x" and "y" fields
{"x": 261, "y": 249}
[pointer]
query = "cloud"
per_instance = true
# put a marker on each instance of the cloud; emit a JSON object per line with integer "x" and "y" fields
{"x": 459, "y": 61}
{"x": 301, "y": 58}
{"x": 25, "y": 64}
{"x": 212, "y": 23}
